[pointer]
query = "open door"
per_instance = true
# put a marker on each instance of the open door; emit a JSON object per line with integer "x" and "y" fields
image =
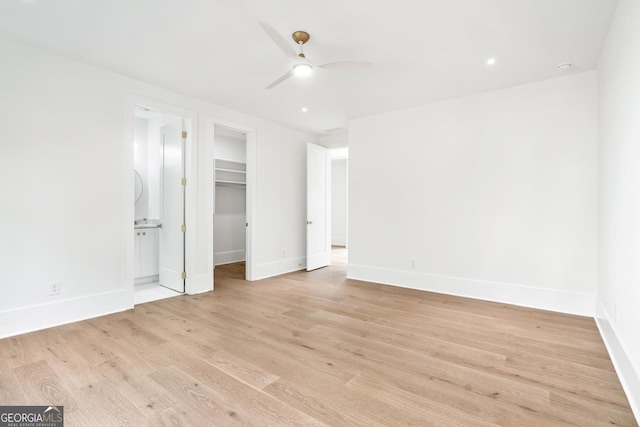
{"x": 318, "y": 207}
{"x": 172, "y": 233}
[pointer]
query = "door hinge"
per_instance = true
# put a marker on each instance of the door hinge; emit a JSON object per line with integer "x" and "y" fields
{"x": 184, "y": 181}
{"x": 183, "y": 228}
{"x": 184, "y": 134}
{"x": 184, "y": 275}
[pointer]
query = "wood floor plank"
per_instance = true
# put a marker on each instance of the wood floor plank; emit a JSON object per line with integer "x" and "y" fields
{"x": 240, "y": 369}
{"x": 21, "y": 350}
{"x": 64, "y": 360}
{"x": 341, "y": 412}
{"x": 482, "y": 336}
{"x": 145, "y": 395}
{"x": 523, "y": 364}
{"x": 315, "y": 348}
{"x": 41, "y": 385}
{"x": 332, "y": 402}
{"x": 428, "y": 412}
{"x": 199, "y": 398}
{"x": 88, "y": 347}
{"x": 214, "y": 392}
{"x": 106, "y": 406}
{"x": 11, "y": 393}
{"x": 177, "y": 416}
{"x": 418, "y": 342}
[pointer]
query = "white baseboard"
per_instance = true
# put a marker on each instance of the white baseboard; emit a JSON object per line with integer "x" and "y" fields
{"x": 628, "y": 373}
{"x": 202, "y": 283}
{"x": 29, "y": 319}
{"x": 544, "y": 299}
{"x": 263, "y": 271}
{"x": 146, "y": 279}
{"x": 338, "y": 241}
{"x": 229, "y": 257}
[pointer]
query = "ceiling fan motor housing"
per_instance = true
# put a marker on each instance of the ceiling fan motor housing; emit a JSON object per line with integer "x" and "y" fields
{"x": 300, "y": 36}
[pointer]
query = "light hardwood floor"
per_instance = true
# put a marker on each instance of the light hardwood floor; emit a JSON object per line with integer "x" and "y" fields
{"x": 315, "y": 349}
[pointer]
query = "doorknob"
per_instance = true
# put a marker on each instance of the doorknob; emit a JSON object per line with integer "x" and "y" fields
{"x": 309, "y": 222}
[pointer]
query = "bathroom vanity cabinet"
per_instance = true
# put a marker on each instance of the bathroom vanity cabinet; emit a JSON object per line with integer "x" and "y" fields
{"x": 146, "y": 252}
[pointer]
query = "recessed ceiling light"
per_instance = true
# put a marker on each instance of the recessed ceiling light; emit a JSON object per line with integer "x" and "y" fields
{"x": 491, "y": 61}
{"x": 304, "y": 109}
{"x": 564, "y": 67}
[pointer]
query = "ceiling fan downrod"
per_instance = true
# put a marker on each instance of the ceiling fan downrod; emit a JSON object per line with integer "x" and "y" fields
{"x": 301, "y": 37}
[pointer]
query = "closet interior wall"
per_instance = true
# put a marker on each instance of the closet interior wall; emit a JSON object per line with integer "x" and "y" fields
{"x": 230, "y": 196}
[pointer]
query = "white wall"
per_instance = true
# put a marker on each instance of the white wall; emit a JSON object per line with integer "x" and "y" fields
{"x": 619, "y": 196}
{"x": 229, "y": 225}
{"x": 339, "y": 202}
{"x": 284, "y": 168}
{"x": 492, "y": 195}
{"x": 66, "y": 171}
{"x": 230, "y": 145}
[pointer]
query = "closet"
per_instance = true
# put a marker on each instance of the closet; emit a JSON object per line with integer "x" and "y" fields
{"x": 230, "y": 176}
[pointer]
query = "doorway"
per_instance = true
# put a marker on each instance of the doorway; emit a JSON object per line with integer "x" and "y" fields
{"x": 339, "y": 204}
{"x": 327, "y": 206}
{"x": 230, "y": 198}
{"x": 318, "y": 207}
{"x": 159, "y": 221}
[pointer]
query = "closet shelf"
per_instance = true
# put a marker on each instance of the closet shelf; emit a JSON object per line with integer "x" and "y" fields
{"x": 230, "y": 165}
{"x": 230, "y": 161}
{"x": 231, "y": 183}
{"x": 230, "y": 170}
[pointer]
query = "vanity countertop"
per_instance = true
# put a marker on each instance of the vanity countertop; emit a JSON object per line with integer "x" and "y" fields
{"x": 139, "y": 226}
{"x": 146, "y": 223}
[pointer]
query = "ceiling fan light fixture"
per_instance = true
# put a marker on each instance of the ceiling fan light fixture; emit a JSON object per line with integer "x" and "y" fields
{"x": 303, "y": 69}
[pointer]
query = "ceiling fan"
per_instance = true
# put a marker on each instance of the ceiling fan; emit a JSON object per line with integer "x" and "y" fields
{"x": 303, "y": 66}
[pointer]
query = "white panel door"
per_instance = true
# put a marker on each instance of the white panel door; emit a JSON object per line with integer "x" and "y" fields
{"x": 318, "y": 207}
{"x": 171, "y": 237}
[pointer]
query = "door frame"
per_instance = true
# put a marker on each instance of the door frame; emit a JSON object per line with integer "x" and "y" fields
{"x": 250, "y": 134}
{"x": 191, "y": 124}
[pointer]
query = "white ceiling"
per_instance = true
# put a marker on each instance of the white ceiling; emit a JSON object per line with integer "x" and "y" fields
{"x": 422, "y": 50}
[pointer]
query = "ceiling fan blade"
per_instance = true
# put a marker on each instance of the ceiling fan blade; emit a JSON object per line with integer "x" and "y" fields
{"x": 281, "y": 79}
{"x": 279, "y": 40}
{"x": 347, "y": 66}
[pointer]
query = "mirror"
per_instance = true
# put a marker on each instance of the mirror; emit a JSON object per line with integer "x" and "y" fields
{"x": 138, "y": 186}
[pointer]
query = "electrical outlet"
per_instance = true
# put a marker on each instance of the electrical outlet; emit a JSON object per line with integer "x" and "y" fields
{"x": 412, "y": 263}
{"x": 54, "y": 288}
{"x": 284, "y": 253}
